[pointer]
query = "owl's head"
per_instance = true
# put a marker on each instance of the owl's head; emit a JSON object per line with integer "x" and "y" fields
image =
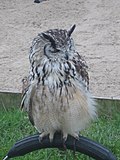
{"x": 58, "y": 43}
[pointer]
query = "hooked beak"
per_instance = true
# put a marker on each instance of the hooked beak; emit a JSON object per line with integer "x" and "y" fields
{"x": 66, "y": 55}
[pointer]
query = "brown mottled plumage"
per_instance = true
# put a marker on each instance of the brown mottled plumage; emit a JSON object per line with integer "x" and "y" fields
{"x": 57, "y": 97}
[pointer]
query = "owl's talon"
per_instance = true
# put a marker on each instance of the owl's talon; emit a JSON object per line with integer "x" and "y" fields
{"x": 40, "y": 139}
{"x": 76, "y": 136}
{"x": 65, "y": 136}
{"x": 64, "y": 146}
{"x": 41, "y": 136}
{"x": 51, "y": 136}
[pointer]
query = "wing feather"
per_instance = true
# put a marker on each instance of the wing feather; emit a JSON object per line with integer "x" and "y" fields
{"x": 81, "y": 68}
{"x": 27, "y": 98}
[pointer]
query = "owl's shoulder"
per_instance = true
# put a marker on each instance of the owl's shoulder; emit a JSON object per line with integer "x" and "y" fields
{"x": 81, "y": 68}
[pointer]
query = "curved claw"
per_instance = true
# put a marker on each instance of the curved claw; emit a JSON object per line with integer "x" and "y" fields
{"x": 42, "y": 135}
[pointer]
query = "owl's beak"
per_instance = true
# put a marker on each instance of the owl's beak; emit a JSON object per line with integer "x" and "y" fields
{"x": 66, "y": 55}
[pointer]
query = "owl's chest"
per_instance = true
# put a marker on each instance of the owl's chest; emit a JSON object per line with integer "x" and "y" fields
{"x": 51, "y": 97}
{"x": 55, "y": 74}
{"x": 57, "y": 87}
{"x": 55, "y": 80}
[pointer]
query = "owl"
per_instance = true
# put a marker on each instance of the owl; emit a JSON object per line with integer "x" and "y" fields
{"x": 56, "y": 92}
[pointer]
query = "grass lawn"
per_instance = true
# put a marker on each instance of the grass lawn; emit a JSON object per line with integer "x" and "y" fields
{"x": 14, "y": 125}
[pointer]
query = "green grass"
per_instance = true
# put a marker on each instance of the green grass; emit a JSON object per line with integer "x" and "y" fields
{"x": 14, "y": 125}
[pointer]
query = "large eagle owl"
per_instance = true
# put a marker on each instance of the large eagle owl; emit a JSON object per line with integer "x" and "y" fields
{"x": 55, "y": 94}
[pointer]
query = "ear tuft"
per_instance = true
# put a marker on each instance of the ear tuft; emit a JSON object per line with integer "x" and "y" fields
{"x": 70, "y": 31}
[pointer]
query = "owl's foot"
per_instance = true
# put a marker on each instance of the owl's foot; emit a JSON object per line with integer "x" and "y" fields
{"x": 51, "y": 136}
{"x": 65, "y": 135}
{"x": 64, "y": 138}
{"x": 44, "y": 134}
{"x": 75, "y": 135}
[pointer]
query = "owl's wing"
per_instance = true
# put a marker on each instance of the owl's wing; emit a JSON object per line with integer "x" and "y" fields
{"x": 27, "y": 98}
{"x": 81, "y": 68}
{"x": 25, "y": 87}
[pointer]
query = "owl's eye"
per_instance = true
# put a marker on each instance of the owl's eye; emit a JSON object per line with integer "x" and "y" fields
{"x": 52, "y": 41}
{"x": 49, "y": 50}
{"x": 55, "y": 50}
